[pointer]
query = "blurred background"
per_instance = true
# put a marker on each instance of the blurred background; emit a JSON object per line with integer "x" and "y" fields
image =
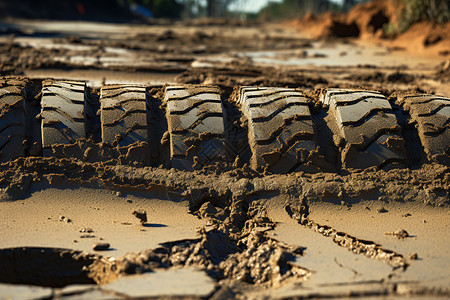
{"x": 149, "y": 11}
{"x": 222, "y": 41}
{"x": 123, "y": 10}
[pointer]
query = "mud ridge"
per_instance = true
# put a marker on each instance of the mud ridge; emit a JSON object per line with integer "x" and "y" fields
{"x": 300, "y": 212}
{"x": 429, "y": 184}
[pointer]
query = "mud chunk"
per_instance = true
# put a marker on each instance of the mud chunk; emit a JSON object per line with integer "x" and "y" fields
{"x": 400, "y": 234}
{"x": 101, "y": 246}
{"x": 381, "y": 210}
{"x": 64, "y": 219}
{"x": 141, "y": 215}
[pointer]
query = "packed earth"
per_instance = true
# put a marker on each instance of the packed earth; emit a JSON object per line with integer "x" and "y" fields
{"x": 214, "y": 159}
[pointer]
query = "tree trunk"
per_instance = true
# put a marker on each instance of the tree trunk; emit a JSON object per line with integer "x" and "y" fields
{"x": 211, "y": 8}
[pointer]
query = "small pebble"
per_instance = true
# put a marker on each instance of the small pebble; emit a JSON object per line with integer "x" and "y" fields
{"x": 118, "y": 194}
{"x": 413, "y": 256}
{"x": 86, "y": 230}
{"x": 100, "y": 246}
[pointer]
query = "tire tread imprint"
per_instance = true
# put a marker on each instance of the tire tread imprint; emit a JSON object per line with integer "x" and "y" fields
{"x": 123, "y": 114}
{"x": 195, "y": 119}
{"x": 432, "y": 115}
{"x": 12, "y": 117}
{"x": 368, "y": 126}
{"x": 62, "y": 113}
{"x": 280, "y": 126}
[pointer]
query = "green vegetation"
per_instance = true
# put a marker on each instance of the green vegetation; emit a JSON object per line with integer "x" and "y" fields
{"x": 415, "y": 11}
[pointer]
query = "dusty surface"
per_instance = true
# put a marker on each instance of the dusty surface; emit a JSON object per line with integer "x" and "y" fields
{"x": 92, "y": 216}
{"x": 234, "y": 232}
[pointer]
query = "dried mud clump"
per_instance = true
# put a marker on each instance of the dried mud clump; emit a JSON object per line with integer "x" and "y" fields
{"x": 136, "y": 154}
{"x": 248, "y": 256}
{"x": 141, "y": 215}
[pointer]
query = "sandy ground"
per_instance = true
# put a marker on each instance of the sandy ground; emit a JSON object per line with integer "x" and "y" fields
{"x": 37, "y": 220}
{"x": 271, "y": 55}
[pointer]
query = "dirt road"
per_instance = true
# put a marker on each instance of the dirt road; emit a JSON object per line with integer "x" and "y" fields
{"x": 267, "y": 164}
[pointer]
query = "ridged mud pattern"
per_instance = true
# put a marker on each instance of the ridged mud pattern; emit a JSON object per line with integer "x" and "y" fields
{"x": 278, "y": 130}
{"x": 432, "y": 117}
{"x": 367, "y": 129}
{"x": 196, "y": 126}
{"x": 300, "y": 212}
{"x": 12, "y": 118}
{"x": 62, "y": 113}
{"x": 281, "y": 132}
{"x": 123, "y": 114}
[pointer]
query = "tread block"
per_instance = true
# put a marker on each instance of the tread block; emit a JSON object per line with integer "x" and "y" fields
{"x": 123, "y": 114}
{"x": 196, "y": 126}
{"x": 281, "y": 132}
{"x": 368, "y": 127}
{"x": 12, "y": 118}
{"x": 432, "y": 115}
{"x": 62, "y": 113}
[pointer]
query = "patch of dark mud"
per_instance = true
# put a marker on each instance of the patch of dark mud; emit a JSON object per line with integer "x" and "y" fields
{"x": 45, "y": 266}
{"x": 414, "y": 148}
{"x": 236, "y": 128}
{"x": 343, "y": 30}
{"x": 159, "y": 132}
